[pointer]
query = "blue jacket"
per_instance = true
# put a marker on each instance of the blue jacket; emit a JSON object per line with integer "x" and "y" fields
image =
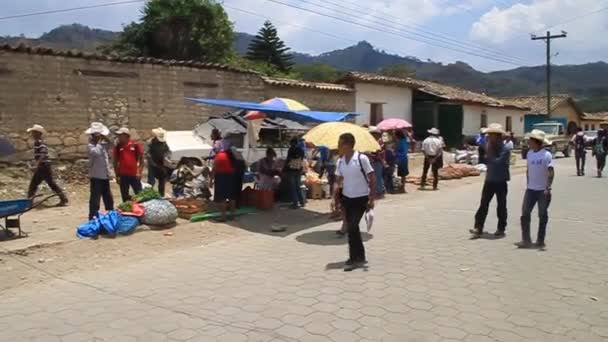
{"x": 498, "y": 165}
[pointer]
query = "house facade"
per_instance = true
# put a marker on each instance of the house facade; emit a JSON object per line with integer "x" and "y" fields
{"x": 455, "y": 111}
{"x": 594, "y": 121}
{"x": 563, "y": 108}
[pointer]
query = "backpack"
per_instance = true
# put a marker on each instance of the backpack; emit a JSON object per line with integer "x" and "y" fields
{"x": 579, "y": 142}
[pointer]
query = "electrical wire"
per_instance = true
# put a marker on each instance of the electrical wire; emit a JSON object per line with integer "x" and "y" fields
{"x": 72, "y": 9}
{"x": 425, "y": 33}
{"x": 573, "y": 19}
{"x": 384, "y": 30}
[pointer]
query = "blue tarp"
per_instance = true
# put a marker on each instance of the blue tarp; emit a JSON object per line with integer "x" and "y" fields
{"x": 301, "y": 116}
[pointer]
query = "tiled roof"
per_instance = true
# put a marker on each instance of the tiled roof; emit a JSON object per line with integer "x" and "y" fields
{"x": 135, "y": 60}
{"x": 303, "y": 84}
{"x": 538, "y": 104}
{"x": 600, "y": 116}
{"x": 440, "y": 90}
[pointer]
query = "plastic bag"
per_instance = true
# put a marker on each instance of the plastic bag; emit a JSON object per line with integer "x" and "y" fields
{"x": 137, "y": 210}
{"x": 88, "y": 230}
{"x": 159, "y": 213}
{"x": 109, "y": 222}
{"x": 127, "y": 224}
{"x": 369, "y": 219}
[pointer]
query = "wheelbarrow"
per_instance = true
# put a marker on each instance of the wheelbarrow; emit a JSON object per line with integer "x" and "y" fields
{"x": 17, "y": 208}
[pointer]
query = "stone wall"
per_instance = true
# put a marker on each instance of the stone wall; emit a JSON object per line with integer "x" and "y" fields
{"x": 315, "y": 99}
{"x": 65, "y": 92}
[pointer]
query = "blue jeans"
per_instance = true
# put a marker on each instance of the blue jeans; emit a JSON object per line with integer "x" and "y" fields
{"x": 531, "y": 198}
{"x": 295, "y": 184}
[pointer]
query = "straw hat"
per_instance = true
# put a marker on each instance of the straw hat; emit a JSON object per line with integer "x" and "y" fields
{"x": 160, "y": 134}
{"x": 539, "y": 135}
{"x": 123, "y": 130}
{"x": 36, "y": 128}
{"x": 374, "y": 129}
{"x": 580, "y": 134}
{"x": 494, "y": 128}
{"x": 433, "y": 131}
{"x": 97, "y": 128}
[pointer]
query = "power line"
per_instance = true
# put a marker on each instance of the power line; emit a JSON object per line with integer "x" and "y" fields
{"x": 380, "y": 29}
{"x": 72, "y": 9}
{"x": 572, "y": 19}
{"x": 547, "y": 40}
{"x": 426, "y": 33}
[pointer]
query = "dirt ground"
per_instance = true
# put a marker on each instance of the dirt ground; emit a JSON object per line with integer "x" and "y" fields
{"x": 51, "y": 249}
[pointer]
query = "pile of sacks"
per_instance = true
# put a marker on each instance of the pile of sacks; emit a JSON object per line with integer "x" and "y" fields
{"x": 454, "y": 171}
{"x": 152, "y": 212}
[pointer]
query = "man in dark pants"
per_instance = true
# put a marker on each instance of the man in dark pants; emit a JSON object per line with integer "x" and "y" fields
{"x": 432, "y": 147}
{"x": 292, "y": 170}
{"x": 43, "y": 172}
{"x": 497, "y": 160}
{"x": 157, "y": 156}
{"x": 357, "y": 183}
{"x": 100, "y": 170}
{"x": 578, "y": 142}
{"x": 128, "y": 164}
{"x": 540, "y": 176}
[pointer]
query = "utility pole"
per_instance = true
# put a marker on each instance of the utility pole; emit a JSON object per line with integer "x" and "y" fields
{"x": 547, "y": 40}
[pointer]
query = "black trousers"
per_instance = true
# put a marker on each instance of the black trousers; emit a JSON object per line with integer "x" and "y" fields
{"x": 44, "y": 174}
{"x": 490, "y": 189}
{"x": 127, "y": 182}
{"x": 601, "y": 161}
{"x": 434, "y": 163}
{"x": 100, "y": 188}
{"x": 580, "y": 157}
{"x": 160, "y": 175}
{"x": 354, "y": 208}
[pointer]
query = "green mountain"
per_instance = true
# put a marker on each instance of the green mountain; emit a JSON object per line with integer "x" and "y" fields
{"x": 587, "y": 82}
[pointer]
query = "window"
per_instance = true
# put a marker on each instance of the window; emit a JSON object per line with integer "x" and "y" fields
{"x": 586, "y": 127}
{"x": 593, "y": 127}
{"x": 509, "y": 124}
{"x": 484, "y": 120}
{"x": 375, "y": 113}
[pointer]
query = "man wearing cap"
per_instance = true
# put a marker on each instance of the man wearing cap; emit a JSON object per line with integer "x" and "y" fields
{"x": 538, "y": 191}
{"x": 432, "y": 147}
{"x": 100, "y": 170}
{"x": 128, "y": 163}
{"x": 497, "y": 161}
{"x": 579, "y": 143}
{"x": 158, "y": 152}
{"x": 42, "y": 167}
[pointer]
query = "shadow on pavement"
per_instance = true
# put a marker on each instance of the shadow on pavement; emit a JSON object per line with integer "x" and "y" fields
{"x": 487, "y": 236}
{"x": 328, "y": 238}
{"x": 281, "y": 221}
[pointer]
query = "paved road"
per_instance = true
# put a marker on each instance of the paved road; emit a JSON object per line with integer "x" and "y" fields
{"x": 426, "y": 282}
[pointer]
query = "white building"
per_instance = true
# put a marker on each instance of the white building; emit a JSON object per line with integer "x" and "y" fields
{"x": 455, "y": 111}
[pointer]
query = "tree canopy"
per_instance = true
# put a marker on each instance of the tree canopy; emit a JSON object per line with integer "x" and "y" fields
{"x": 267, "y": 47}
{"x": 178, "y": 29}
{"x": 398, "y": 70}
{"x": 317, "y": 72}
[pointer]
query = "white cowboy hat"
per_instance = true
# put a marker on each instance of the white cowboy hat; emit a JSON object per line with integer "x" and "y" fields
{"x": 580, "y": 134}
{"x": 374, "y": 129}
{"x": 433, "y": 131}
{"x": 36, "y": 128}
{"x": 123, "y": 130}
{"x": 494, "y": 128}
{"x": 539, "y": 135}
{"x": 97, "y": 128}
{"x": 160, "y": 134}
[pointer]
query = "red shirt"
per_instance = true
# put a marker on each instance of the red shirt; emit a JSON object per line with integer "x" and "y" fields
{"x": 222, "y": 163}
{"x": 128, "y": 157}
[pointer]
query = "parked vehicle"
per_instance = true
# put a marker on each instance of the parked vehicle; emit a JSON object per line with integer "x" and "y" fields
{"x": 557, "y": 138}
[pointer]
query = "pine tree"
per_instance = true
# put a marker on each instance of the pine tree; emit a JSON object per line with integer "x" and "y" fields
{"x": 268, "y": 48}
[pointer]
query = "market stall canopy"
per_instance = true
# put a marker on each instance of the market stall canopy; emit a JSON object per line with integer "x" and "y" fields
{"x": 327, "y": 134}
{"x": 277, "y": 111}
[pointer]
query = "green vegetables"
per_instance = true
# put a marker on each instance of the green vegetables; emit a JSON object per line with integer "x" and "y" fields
{"x": 125, "y": 207}
{"x": 146, "y": 195}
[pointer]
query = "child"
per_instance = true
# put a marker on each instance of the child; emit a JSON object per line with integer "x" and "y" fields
{"x": 540, "y": 178}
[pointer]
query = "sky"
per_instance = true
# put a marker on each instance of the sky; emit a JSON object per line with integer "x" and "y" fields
{"x": 487, "y": 34}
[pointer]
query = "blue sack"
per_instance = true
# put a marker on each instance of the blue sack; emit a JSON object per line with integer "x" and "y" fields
{"x": 127, "y": 224}
{"x": 88, "y": 230}
{"x": 109, "y": 222}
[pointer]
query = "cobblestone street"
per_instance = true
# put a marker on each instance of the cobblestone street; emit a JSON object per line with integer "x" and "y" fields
{"x": 426, "y": 281}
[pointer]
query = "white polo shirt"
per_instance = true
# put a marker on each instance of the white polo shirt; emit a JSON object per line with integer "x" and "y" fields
{"x": 355, "y": 182}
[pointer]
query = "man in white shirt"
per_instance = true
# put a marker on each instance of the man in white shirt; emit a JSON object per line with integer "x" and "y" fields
{"x": 432, "y": 148}
{"x": 356, "y": 184}
{"x": 540, "y": 176}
